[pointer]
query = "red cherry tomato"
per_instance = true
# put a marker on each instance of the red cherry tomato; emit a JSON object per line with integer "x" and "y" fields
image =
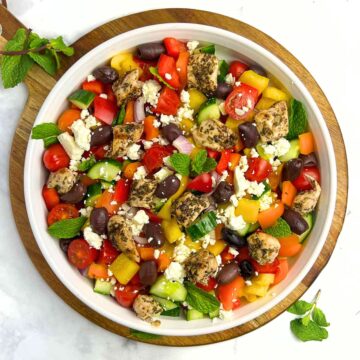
{"x": 174, "y": 46}
{"x": 302, "y": 182}
{"x": 241, "y": 101}
{"x": 98, "y": 151}
{"x": 281, "y": 271}
{"x": 55, "y": 158}
{"x": 167, "y": 70}
{"x": 259, "y": 169}
{"x": 125, "y": 295}
{"x": 202, "y": 183}
{"x": 145, "y": 65}
{"x": 153, "y": 157}
{"x": 62, "y": 212}
{"x": 107, "y": 253}
{"x": 229, "y": 293}
{"x": 80, "y": 254}
{"x": 51, "y": 197}
{"x": 266, "y": 268}
{"x": 105, "y": 110}
{"x": 121, "y": 191}
{"x": 226, "y": 256}
{"x": 237, "y": 68}
{"x": 209, "y": 286}
{"x": 94, "y": 86}
{"x": 168, "y": 102}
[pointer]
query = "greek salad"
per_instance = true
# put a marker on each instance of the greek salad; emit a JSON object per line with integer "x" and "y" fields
{"x": 179, "y": 182}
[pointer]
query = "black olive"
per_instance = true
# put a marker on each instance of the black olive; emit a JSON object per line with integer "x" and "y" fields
{"x": 167, "y": 187}
{"x": 171, "y": 132}
{"x": 309, "y": 160}
{"x": 258, "y": 69}
{"x": 223, "y": 90}
{"x": 106, "y": 74}
{"x": 150, "y": 51}
{"x": 223, "y": 193}
{"x": 76, "y": 194}
{"x": 297, "y": 223}
{"x": 246, "y": 269}
{"x": 232, "y": 237}
{"x": 99, "y": 218}
{"x": 155, "y": 234}
{"x": 249, "y": 134}
{"x": 228, "y": 273}
{"x": 64, "y": 244}
{"x": 101, "y": 135}
{"x": 148, "y": 272}
{"x": 292, "y": 169}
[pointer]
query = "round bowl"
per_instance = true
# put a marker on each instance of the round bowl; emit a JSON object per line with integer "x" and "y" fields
{"x": 229, "y": 46}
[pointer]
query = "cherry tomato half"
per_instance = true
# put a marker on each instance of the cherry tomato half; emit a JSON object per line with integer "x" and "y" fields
{"x": 202, "y": 183}
{"x": 80, "y": 254}
{"x": 259, "y": 169}
{"x": 62, "y": 212}
{"x": 237, "y": 68}
{"x": 107, "y": 253}
{"x": 153, "y": 158}
{"x": 55, "y": 158}
{"x": 125, "y": 295}
{"x": 266, "y": 268}
{"x": 302, "y": 182}
{"x": 209, "y": 286}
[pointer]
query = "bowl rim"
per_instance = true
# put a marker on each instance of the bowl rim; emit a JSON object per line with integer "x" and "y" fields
{"x": 223, "y": 325}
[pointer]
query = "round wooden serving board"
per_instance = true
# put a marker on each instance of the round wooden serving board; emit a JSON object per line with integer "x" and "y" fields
{"x": 39, "y": 85}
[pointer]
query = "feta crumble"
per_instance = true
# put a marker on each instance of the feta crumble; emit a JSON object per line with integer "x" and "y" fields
{"x": 138, "y": 221}
{"x": 162, "y": 174}
{"x": 140, "y": 173}
{"x": 85, "y": 211}
{"x": 168, "y": 76}
{"x": 74, "y": 165}
{"x": 234, "y": 200}
{"x": 229, "y": 79}
{"x": 133, "y": 152}
{"x": 91, "y": 78}
{"x": 192, "y": 45}
{"x": 233, "y": 251}
{"x": 181, "y": 252}
{"x": 71, "y": 148}
{"x": 167, "y": 119}
{"x": 265, "y": 202}
{"x": 208, "y": 239}
{"x": 175, "y": 272}
{"x": 150, "y": 91}
{"x": 90, "y": 121}
{"x": 225, "y": 314}
{"x": 254, "y": 153}
{"x": 103, "y": 96}
{"x": 84, "y": 114}
{"x": 185, "y": 97}
{"x": 82, "y": 134}
{"x": 147, "y": 144}
{"x": 93, "y": 239}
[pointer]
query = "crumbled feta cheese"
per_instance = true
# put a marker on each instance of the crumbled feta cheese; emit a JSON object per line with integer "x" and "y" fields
{"x": 133, "y": 152}
{"x": 192, "y": 45}
{"x": 90, "y": 122}
{"x": 234, "y": 200}
{"x": 223, "y": 176}
{"x": 84, "y": 114}
{"x": 147, "y": 144}
{"x": 168, "y": 76}
{"x": 275, "y": 164}
{"x": 71, "y": 148}
{"x": 248, "y": 282}
{"x": 74, "y": 165}
{"x": 85, "y": 211}
{"x": 113, "y": 202}
{"x": 255, "y": 188}
{"x": 282, "y": 146}
{"x": 225, "y": 314}
{"x": 93, "y": 239}
{"x": 254, "y": 153}
{"x": 110, "y": 273}
{"x": 218, "y": 260}
{"x": 208, "y": 239}
{"x": 237, "y": 223}
{"x": 185, "y": 97}
{"x": 233, "y": 251}
{"x": 243, "y": 163}
{"x": 156, "y": 123}
{"x": 181, "y": 252}
{"x": 269, "y": 149}
{"x": 213, "y": 181}
{"x": 229, "y": 79}
{"x": 175, "y": 272}
{"x": 138, "y": 221}
{"x": 156, "y": 253}
{"x": 185, "y": 112}
{"x": 240, "y": 183}
{"x": 265, "y": 202}
{"x": 150, "y": 91}
{"x": 82, "y": 134}
{"x": 163, "y": 141}
{"x": 162, "y": 174}
{"x": 104, "y": 96}
{"x": 237, "y": 83}
{"x": 228, "y": 217}
{"x": 91, "y": 78}
{"x": 167, "y": 119}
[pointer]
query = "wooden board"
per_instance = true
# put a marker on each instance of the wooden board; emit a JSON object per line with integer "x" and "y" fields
{"x": 39, "y": 85}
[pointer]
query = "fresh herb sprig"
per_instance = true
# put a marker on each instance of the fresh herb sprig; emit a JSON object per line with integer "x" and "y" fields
{"x": 27, "y": 48}
{"x": 311, "y": 324}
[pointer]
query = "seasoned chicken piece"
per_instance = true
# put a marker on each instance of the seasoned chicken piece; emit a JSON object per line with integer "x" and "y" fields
{"x": 127, "y": 88}
{"x": 120, "y": 235}
{"x": 142, "y": 193}
{"x": 305, "y": 201}
{"x": 202, "y": 72}
{"x": 200, "y": 266}
{"x": 215, "y": 135}
{"x": 263, "y": 248}
{"x": 62, "y": 180}
{"x": 123, "y": 137}
{"x": 273, "y": 123}
{"x": 188, "y": 207}
{"x": 146, "y": 308}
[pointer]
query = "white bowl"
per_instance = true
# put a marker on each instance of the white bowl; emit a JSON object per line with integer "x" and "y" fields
{"x": 229, "y": 46}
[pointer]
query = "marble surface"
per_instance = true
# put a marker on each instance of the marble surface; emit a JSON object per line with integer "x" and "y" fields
{"x": 35, "y": 324}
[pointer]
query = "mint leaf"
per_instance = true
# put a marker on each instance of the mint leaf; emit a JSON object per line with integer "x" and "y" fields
{"x": 45, "y": 130}
{"x": 306, "y": 319}
{"x": 67, "y": 229}
{"x": 143, "y": 335}
{"x": 280, "y": 229}
{"x": 223, "y": 70}
{"x": 46, "y": 60}
{"x": 154, "y": 71}
{"x": 300, "y": 307}
{"x": 180, "y": 163}
{"x": 200, "y": 300}
{"x": 210, "y": 164}
{"x": 298, "y": 123}
{"x": 87, "y": 164}
{"x": 319, "y": 317}
{"x": 120, "y": 117}
{"x": 56, "y": 58}
{"x": 59, "y": 45}
{"x": 50, "y": 141}
{"x": 311, "y": 332}
{"x": 199, "y": 161}
{"x": 209, "y": 49}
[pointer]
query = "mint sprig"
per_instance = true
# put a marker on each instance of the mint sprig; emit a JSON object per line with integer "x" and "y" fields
{"x": 310, "y": 326}
{"x": 200, "y": 300}
{"x": 143, "y": 335}
{"x": 67, "y": 229}
{"x": 280, "y": 229}
{"x": 48, "y": 132}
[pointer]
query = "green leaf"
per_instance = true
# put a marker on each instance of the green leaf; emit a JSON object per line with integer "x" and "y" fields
{"x": 298, "y": 123}
{"x": 45, "y": 130}
{"x": 319, "y": 317}
{"x": 210, "y": 164}
{"x": 15, "y": 68}
{"x": 154, "y": 71}
{"x": 67, "y": 229}
{"x": 200, "y": 300}
{"x": 209, "y": 49}
{"x": 180, "y": 163}
{"x": 311, "y": 332}
{"x": 87, "y": 164}
{"x": 306, "y": 319}
{"x": 280, "y": 229}
{"x": 46, "y": 60}
{"x": 59, "y": 45}
{"x": 199, "y": 161}
{"x": 143, "y": 335}
{"x": 223, "y": 70}
{"x": 120, "y": 117}
{"x": 56, "y": 58}
{"x": 50, "y": 140}
{"x": 300, "y": 307}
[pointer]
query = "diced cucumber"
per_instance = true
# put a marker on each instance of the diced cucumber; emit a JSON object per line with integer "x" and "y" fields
{"x": 309, "y": 218}
{"x": 82, "y": 98}
{"x": 173, "y": 312}
{"x": 214, "y": 314}
{"x": 167, "y": 289}
{"x": 106, "y": 169}
{"x": 107, "y": 184}
{"x": 165, "y": 303}
{"x": 252, "y": 227}
{"x": 244, "y": 231}
{"x": 158, "y": 203}
{"x": 209, "y": 111}
{"x": 193, "y": 314}
{"x": 203, "y": 226}
{"x": 93, "y": 193}
{"x": 293, "y": 152}
{"x": 102, "y": 287}
{"x": 223, "y": 70}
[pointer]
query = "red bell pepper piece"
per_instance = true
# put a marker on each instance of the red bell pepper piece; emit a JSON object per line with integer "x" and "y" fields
{"x": 121, "y": 191}
{"x": 167, "y": 70}
{"x": 209, "y": 286}
{"x": 229, "y": 293}
{"x": 223, "y": 162}
{"x": 105, "y": 110}
{"x": 174, "y": 46}
{"x": 181, "y": 67}
{"x": 213, "y": 154}
{"x": 168, "y": 102}
{"x": 107, "y": 253}
{"x": 94, "y": 86}
{"x": 51, "y": 197}
{"x": 152, "y": 217}
{"x": 259, "y": 169}
{"x": 202, "y": 183}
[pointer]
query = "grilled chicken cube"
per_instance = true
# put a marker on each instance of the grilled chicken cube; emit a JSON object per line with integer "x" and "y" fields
{"x": 200, "y": 266}
{"x": 188, "y": 207}
{"x": 142, "y": 193}
{"x": 273, "y": 123}
{"x": 215, "y": 135}
{"x": 123, "y": 137}
{"x": 147, "y": 308}
{"x": 263, "y": 248}
{"x": 62, "y": 180}
{"x": 202, "y": 72}
{"x": 127, "y": 88}
{"x": 120, "y": 235}
{"x": 305, "y": 201}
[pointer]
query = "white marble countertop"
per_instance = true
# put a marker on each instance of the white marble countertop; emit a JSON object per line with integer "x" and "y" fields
{"x": 36, "y": 324}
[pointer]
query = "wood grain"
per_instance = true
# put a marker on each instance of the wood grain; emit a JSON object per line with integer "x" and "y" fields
{"x": 40, "y": 84}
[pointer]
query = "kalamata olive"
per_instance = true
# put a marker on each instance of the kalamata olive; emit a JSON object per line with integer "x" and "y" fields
{"x": 106, "y": 74}
{"x": 76, "y": 194}
{"x": 171, "y": 132}
{"x": 101, "y": 135}
{"x": 292, "y": 169}
{"x": 258, "y": 69}
{"x": 309, "y": 160}
{"x": 249, "y": 134}
{"x": 150, "y": 51}
{"x": 223, "y": 90}
{"x": 232, "y": 237}
{"x": 155, "y": 234}
{"x": 297, "y": 223}
{"x": 98, "y": 220}
{"x": 246, "y": 269}
{"x": 223, "y": 193}
{"x": 167, "y": 187}
{"x": 228, "y": 273}
{"x": 64, "y": 244}
{"x": 148, "y": 272}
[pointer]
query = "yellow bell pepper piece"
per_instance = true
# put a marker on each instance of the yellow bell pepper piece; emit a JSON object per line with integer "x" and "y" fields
{"x": 263, "y": 279}
{"x": 168, "y": 249}
{"x": 273, "y": 93}
{"x": 232, "y": 123}
{"x": 248, "y": 209}
{"x": 124, "y": 269}
{"x": 217, "y": 248}
{"x": 250, "y": 297}
{"x": 258, "y": 290}
{"x": 197, "y": 98}
{"x": 165, "y": 211}
{"x": 186, "y": 125}
{"x": 255, "y": 80}
{"x": 261, "y": 152}
{"x": 265, "y": 103}
{"x": 172, "y": 230}
{"x": 123, "y": 63}
{"x": 193, "y": 245}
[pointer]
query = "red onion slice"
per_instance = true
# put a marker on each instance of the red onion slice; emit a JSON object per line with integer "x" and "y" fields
{"x": 183, "y": 145}
{"x": 216, "y": 177}
{"x": 139, "y": 110}
{"x": 140, "y": 240}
